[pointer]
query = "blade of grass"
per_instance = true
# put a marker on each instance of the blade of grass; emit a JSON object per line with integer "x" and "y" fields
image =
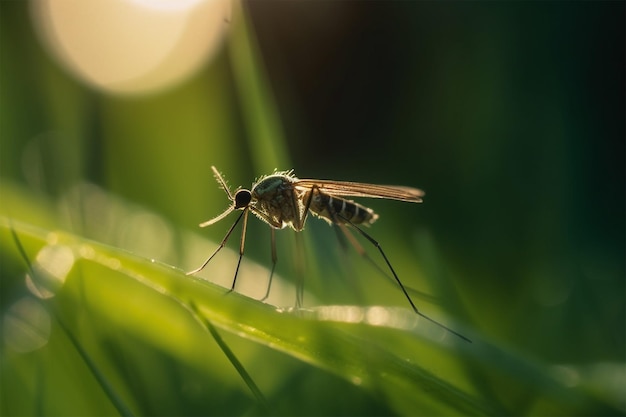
{"x": 398, "y": 363}
{"x": 327, "y": 345}
{"x": 376, "y": 358}
{"x": 266, "y": 141}
{"x": 241, "y": 370}
{"x": 107, "y": 387}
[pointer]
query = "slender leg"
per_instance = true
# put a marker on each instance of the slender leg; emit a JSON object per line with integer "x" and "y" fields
{"x": 307, "y": 206}
{"x": 274, "y": 260}
{"x": 341, "y": 225}
{"x": 300, "y": 268}
{"x": 344, "y": 236}
{"x": 357, "y": 246}
{"x": 242, "y": 245}
{"x": 221, "y": 245}
{"x": 380, "y": 249}
{"x": 299, "y": 258}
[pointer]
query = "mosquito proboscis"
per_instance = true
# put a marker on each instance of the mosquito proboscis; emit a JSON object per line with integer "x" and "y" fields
{"x": 283, "y": 200}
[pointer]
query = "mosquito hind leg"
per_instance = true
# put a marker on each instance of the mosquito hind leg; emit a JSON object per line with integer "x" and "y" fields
{"x": 343, "y": 236}
{"x": 359, "y": 249}
{"x": 402, "y": 287}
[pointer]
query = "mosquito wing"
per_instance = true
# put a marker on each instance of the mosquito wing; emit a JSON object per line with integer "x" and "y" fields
{"x": 357, "y": 189}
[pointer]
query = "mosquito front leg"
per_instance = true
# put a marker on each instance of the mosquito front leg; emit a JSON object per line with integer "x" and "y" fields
{"x": 242, "y": 245}
{"x": 219, "y": 248}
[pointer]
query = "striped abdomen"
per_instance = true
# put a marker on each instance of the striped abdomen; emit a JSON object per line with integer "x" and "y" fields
{"x": 338, "y": 210}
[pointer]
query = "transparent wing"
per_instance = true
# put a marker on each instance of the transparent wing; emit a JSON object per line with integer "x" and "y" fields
{"x": 357, "y": 189}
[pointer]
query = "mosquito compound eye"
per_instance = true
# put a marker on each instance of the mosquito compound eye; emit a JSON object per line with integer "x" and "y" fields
{"x": 242, "y": 198}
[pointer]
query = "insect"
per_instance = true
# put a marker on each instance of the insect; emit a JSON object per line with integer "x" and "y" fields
{"x": 282, "y": 200}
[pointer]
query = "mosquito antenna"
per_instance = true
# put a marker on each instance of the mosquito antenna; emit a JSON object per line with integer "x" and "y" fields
{"x": 222, "y": 182}
{"x": 380, "y": 249}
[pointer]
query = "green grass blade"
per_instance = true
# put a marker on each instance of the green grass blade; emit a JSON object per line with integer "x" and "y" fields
{"x": 412, "y": 368}
{"x": 267, "y": 145}
{"x": 148, "y": 333}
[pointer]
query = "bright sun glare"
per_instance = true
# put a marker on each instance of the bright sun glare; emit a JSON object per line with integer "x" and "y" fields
{"x": 131, "y": 46}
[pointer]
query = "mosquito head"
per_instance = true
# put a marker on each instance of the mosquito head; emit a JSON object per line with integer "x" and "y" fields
{"x": 242, "y": 198}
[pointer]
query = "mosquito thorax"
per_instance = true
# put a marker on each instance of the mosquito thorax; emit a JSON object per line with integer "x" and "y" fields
{"x": 242, "y": 198}
{"x": 271, "y": 186}
{"x": 275, "y": 201}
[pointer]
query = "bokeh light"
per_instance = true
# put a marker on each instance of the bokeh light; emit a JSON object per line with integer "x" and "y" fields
{"x": 131, "y": 46}
{"x": 26, "y": 325}
{"x": 50, "y": 270}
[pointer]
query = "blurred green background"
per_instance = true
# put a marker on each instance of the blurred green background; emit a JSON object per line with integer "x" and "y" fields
{"x": 510, "y": 115}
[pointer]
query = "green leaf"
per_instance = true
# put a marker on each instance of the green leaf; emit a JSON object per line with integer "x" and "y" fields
{"x": 136, "y": 336}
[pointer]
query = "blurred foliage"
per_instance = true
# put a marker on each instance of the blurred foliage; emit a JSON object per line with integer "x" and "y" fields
{"x": 509, "y": 115}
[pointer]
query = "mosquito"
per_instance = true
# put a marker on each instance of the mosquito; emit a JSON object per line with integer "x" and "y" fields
{"x": 282, "y": 200}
